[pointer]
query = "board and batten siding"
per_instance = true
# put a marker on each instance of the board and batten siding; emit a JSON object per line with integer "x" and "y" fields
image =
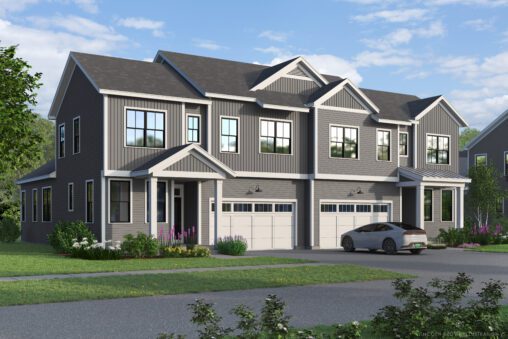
{"x": 271, "y": 189}
{"x": 407, "y": 161}
{"x": 125, "y": 158}
{"x": 201, "y": 111}
{"x": 367, "y": 163}
{"x": 190, "y": 164}
{"x": 293, "y": 86}
{"x": 340, "y": 190}
{"x": 343, "y": 99}
{"x": 249, "y": 157}
{"x": 437, "y": 121}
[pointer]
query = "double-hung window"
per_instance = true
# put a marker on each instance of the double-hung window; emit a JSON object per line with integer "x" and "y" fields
{"x": 193, "y": 126}
{"x": 76, "y": 135}
{"x": 427, "y": 205}
{"x": 23, "y": 206}
{"x": 275, "y": 136}
{"x": 46, "y": 204}
{"x": 120, "y": 201}
{"x": 34, "y": 205}
{"x": 61, "y": 141}
{"x": 161, "y": 201}
{"x": 403, "y": 144}
{"x": 383, "y": 145}
{"x": 145, "y": 129}
{"x": 480, "y": 159}
{"x": 343, "y": 142}
{"x": 70, "y": 197}
{"x": 89, "y": 201}
{"x": 229, "y": 135}
{"x": 438, "y": 149}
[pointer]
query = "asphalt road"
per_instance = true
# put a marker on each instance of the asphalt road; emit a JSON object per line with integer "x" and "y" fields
{"x": 308, "y": 305}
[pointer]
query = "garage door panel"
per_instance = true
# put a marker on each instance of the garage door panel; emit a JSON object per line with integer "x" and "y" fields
{"x": 346, "y": 220}
{"x": 283, "y": 220}
{"x": 281, "y": 231}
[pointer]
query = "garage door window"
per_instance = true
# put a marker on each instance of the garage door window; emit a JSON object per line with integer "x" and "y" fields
{"x": 380, "y": 208}
{"x": 226, "y": 207}
{"x": 346, "y": 208}
{"x": 363, "y": 208}
{"x": 332, "y": 208}
{"x": 243, "y": 207}
{"x": 283, "y": 208}
{"x": 263, "y": 207}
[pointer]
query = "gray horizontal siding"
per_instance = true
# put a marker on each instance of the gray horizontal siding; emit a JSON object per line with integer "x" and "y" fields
{"x": 343, "y": 99}
{"x": 294, "y": 86}
{"x": 367, "y": 163}
{"x": 190, "y": 164}
{"x": 249, "y": 157}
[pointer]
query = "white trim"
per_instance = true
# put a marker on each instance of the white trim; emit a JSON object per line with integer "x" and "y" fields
{"x": 398, "y": 146}
{"x": 343, "y": 109}
{"x": 199, "y": 228}
{"x": 145, "y": 110}
{"x": 74, "y": 136}
{"x": 415, "y": 146}
{"x": 407, "y": 144}
{"x": 354, "y": 177}
{"x": 315, "y": 139}
{"x": 153, "y": 96}
{"x": 291, "y": 138}
{"x": 103, "y": 207}
{"x": 400, "y": 204}
{"x": 312, "y": 212}
{"x": 390, "y": 121}
{"x": 449, "y": 148}
{"x": 69, "y": 184}
{"x": 274, "y": 175}
{"x": 453, "y": 204}
{"x": 59, "y": 136}
{"x": 209, "y": 128}
{"x": 487, "y": 130}
{"x": 184, "y": 123}
{"x": 505, "y": 163}
{"x": 186, "y": 127}
{"x": 460, "y": 121}
{"x": 190, "y": 175}
{"x": 22, "y": 200}
{"x": 32, "y": 205}
{"x": 330, "y": 125}
{"x": 105, "y": 134}
{"x": 109, "y": 201}
{"x": 390, "y": 148}
{"x": 297, "y": 77}
{"x": 86, "y": 202}
{"x": 51, "y": 175}
{"x": 481, "y": 154}
{"x": 237, "y": 132}
{"x": 426, "y": 183}
{"x": 229, "y": 97}
{"x": 460, "y": 214}
{"x": 282, "y": 107}
{"x": 50, "y": 203}
{"x": 172, "y": 203}
{"x": 118, "y": 173}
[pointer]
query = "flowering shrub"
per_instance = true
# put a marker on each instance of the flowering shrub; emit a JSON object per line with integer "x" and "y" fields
{"x": 63, "y": 235}
{"x": 92, "y": 250}
{"x": 172, "y": 238}
{"x": 483, "y": 235}
{"x": 185, "y": 252}
{"x": 140, "y": 246}
{"x": 469, "y": 245}
{"x": 349, "y": 330}
{"x": 236, "y": 245}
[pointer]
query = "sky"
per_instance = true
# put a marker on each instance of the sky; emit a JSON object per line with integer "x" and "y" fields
{"x": 457, "y": 48}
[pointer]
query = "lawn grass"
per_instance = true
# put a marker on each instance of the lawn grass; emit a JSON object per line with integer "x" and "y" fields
{"x": 18, "y": 259}
{"x": 73, "y": 289}
{"x": 503, "y": 248}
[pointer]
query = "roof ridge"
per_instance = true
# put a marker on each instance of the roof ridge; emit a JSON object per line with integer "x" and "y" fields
{"x": 217, "y": 59}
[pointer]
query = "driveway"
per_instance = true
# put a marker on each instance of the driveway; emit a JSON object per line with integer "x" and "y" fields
{"x": 308, "y": 305}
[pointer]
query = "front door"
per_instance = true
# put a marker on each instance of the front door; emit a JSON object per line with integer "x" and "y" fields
{"x": 178, "y": 205}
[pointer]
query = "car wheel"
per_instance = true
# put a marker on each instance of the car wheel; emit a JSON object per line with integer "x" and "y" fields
{"x": 389, "y": 246}
{"x": 416, "y": 251}
{"x": 347, "y": 244}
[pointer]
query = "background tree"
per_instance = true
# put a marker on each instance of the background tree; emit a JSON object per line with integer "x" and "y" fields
{"x": 466, "y": 136}
{"x": 484, "y": 193}
{"x": 26, "y": 138}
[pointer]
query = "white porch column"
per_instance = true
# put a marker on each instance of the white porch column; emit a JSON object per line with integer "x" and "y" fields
{"x": 218, "y": 208}
{"x": 460, "y": 207}
{"x": 198, "y": 226}
{"x": 172, "y": 203}
{"x": 420, "y": 200}
{"x": 153, "y": 205}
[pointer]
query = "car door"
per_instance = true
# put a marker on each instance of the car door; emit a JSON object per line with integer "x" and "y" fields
{"x": 362, "y": 236}
{"x": 379, "y": 234}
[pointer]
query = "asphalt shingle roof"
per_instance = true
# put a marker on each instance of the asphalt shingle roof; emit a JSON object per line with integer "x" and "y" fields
{"x": 45, "y": 169}
{"x": 164, "y": 155}
{"x": 431, "y": 173}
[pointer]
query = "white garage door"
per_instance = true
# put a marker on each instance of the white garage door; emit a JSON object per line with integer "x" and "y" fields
{"x": 336, "y": 218}
{"x": 265, "y": 225}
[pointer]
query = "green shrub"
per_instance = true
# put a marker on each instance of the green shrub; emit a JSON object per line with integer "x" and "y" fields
{"x": 66, "y": 233}
{"x": 91, "y": 250}
{"x": 140, "y": 246}
{"x": 453, "y": 236}
{"x": 349, "y": 331}
{"x": 440, "y": 311}
{"x": 232, "y": 245}
{"x": 434, "y": 246}
{"x": 185, "y": 252}
{"x": 9, "y": 229}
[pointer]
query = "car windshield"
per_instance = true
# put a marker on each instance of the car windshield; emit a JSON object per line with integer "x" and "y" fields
{"x": 405, "y": 226}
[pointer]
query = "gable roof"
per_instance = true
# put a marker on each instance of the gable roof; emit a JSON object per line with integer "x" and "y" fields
{"x": 46, "y": 171}
{"x": 486, "y": 131}
{"x": 440, "y": 100}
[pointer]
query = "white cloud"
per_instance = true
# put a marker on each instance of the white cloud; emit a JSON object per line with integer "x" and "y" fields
{"x": 274, "y": 36}
{"x": 208, "y": 44}
{"x": 435, "y": 29}
{"x": 397, "y": 15}
{"x": 487, "y": 3}
{"x": 143, "y": 23}
{"x": 390, "y": 57}
{"x": 480, "y": 24}
{"x": 89, "y": 6}
{"x": 47, "y": 45}
{"x": 9, "y": 6}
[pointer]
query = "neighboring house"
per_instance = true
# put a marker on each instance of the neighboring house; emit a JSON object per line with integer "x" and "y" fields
{"x": 491, "y": 146}
{"x": 294, "y": 158}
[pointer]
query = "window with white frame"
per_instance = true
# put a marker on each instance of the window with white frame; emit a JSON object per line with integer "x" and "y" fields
{"x": 403, "y": 142}
{"x": 76, "y": 135}
{"x": 23, "y": 205}
{"x": 61, "y": 141}
{"x": 343, "y": 142}
{"x": 328, "y": 208}
{"x": 34, "y": 205}
{"x": 70, "y": 197}
{"x": 480, "y": 159}
{"x": 229, "y": 135}
{"x": 120, "y": 201}
{"x": 263, "y": 207}
{"x": 275, "y": 136}
{"x": 446, "y": 205}
{"x": 89, "y": 192}
{"x": 161, "y": 201}
{"x": 283, "y": 207}
{"x": 506, "y": 163}
{"x": 242, "y": 207}
{"x": 46, "y": 204}
{"x": 145, "y": 128}
{"x": 438, "y": 149}
{"x": 383, "y": 145}
{"x": 193, "y": 128}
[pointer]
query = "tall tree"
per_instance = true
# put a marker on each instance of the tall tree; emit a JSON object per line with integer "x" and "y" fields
{"x": 20, "y": 141}
{"x": 466, "y": 136}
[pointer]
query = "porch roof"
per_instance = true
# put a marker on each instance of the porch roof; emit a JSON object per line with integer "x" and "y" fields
{"x": 424, "y": 175}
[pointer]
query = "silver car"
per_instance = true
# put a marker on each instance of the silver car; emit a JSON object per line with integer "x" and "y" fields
{"x": 388, "y": 236}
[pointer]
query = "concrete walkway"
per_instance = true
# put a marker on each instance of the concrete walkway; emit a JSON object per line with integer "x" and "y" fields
{"x": 126, "y": 273}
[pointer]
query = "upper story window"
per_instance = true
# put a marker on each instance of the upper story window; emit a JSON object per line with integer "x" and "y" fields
{"x": 480, "y": 159}
{"x": 76, "y": 135}
{"x": 403, "y": 144}
{"x": 438, "y": 149}
{"x": 193, "y": 128}
{"x": 61, "y": 141}
{"x": 506, "y": 163}
{"x": 383, "y": 145}
{"x": 275, "y": 136}
{"x": 145, "y": 129}
{"x": 229, "y": 135}
{"x": 343, "y": 142}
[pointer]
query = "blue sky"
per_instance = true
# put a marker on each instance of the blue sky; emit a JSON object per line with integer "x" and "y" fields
{"x": 458, "y": 48}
